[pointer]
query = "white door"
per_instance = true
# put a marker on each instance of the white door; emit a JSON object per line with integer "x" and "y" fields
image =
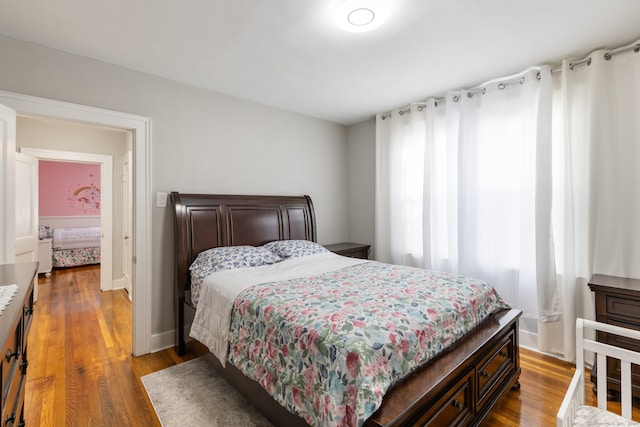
{"x": 26, "y": 200}
{"x": 7, "y": 184}
{"x": 127, "y": 211}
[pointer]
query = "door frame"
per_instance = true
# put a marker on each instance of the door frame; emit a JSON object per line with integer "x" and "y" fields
{"x": 106, "y": 201}
{"x": 141, "y": 233}
{"x": 127, "y": 220}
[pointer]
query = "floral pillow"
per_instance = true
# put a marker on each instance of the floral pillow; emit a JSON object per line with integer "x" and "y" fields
{"x": 226, "y": 258}
{"x": 294, "y": 248}
{"x": 45, "y": 232}
{"x": 230, "y": 257}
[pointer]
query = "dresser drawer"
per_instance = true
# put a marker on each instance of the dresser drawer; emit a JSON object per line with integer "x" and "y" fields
{"x": 613, "y": 365}
{"x": 617, "y": 340}
{"x": 455, "y": 408}
{"x": 10, "y": 361}
{"x": 618, "y": 306}
{"x": 27, "y": 313}
{"x": 12, "y": 414}
{"x": 9, "y": 409}
{"x": 491, "y": 372}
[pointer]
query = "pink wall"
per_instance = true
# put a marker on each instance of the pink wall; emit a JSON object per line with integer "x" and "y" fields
{"x": 69, "y": 189}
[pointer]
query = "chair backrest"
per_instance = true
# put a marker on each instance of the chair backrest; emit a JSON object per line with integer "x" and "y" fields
{"x": 604, "y": 350}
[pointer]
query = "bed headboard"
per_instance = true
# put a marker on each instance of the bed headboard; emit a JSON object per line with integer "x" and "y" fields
{"x": 204, "y": 221}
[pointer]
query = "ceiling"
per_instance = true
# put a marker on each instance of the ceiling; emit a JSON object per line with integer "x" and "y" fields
{"x": 289, "y": 53}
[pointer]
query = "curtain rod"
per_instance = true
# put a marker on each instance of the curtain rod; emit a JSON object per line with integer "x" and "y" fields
{"x": 607, "y": 56}
{"x": 470, "y": 93}
{"x": 508, "y": 82}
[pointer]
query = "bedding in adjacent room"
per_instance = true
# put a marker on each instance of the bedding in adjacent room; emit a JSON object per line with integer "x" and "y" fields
{"x": 75, "y": 246}
{"x": 76, "y": 237}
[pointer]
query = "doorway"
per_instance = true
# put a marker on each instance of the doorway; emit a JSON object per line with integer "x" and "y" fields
{"x": 141, "y": 227}
{"x": 106, "y": 201}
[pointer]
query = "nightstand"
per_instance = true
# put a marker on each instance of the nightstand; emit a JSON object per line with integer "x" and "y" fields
{"x": 353, "y": 250}
{"x": 617, "y": 301}
{"x": 45, "y": 256}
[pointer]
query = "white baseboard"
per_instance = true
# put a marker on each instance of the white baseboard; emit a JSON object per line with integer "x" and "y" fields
{"x": 529, "y": 340}
{"x": 167, "y": 340}
{"x": 118, "y": 284}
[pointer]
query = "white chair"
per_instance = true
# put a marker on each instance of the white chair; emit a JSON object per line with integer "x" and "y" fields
{"x": 573, "y": 411}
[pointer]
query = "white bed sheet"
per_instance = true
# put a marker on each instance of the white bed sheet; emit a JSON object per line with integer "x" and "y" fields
{"x": 213, "y": 314}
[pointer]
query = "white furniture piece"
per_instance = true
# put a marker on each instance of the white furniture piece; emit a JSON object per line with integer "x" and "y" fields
{"x": 573, "y": 411}
{"x": 45, "y": 256}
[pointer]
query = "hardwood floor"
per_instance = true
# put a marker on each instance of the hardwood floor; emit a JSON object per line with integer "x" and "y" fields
{"x": 81, "y": 372}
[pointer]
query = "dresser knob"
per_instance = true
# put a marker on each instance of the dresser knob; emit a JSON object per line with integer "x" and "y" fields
{"x": 28, "y": 311}
{"x": 484, "y": 374}
{"x": 11, "y": 354}
{"x": 457, "y": 405}
{"x": 10, "y": 419}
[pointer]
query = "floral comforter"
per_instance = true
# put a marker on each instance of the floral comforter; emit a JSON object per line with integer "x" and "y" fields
{"x": 328, "y": 347}
{"x": 76, "y": 257}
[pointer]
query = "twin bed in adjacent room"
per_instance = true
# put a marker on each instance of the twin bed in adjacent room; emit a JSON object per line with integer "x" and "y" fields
{"x": 74, "y": 246}
{"x": 314, "y": 338}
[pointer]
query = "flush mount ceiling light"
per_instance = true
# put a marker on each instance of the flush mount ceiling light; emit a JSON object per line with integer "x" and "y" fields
{"x": 360, "y": 15}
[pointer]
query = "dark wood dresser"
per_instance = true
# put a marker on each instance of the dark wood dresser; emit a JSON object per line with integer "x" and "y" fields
{"x": 617, "y": 302}
{"x": 353, "y": 250}
{"x": 15, "y": 322}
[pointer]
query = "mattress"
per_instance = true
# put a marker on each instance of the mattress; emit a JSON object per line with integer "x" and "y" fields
{"x": 76, "y": 237}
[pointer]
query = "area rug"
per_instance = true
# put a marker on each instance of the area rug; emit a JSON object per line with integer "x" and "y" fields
{"x": 193, "y": 394}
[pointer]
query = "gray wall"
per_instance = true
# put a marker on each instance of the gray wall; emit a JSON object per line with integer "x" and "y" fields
{"x": 201, "y": 142}
{"x": 361, "y": 177}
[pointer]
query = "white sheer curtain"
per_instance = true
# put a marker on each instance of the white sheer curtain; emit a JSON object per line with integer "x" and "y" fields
{"x": 596, "y": 183}
{"x": 399, "y": 187}
{"x": 465, "y": 186}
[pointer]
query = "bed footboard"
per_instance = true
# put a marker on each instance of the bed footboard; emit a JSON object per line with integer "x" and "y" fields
{"x": 461, "y": 386}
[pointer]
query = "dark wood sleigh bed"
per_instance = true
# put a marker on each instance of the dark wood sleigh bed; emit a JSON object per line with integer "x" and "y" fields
{"x": 458, "y": 387}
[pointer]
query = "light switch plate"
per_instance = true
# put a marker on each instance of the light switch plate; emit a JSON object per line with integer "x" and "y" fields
{"x": 161, "y": 199}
